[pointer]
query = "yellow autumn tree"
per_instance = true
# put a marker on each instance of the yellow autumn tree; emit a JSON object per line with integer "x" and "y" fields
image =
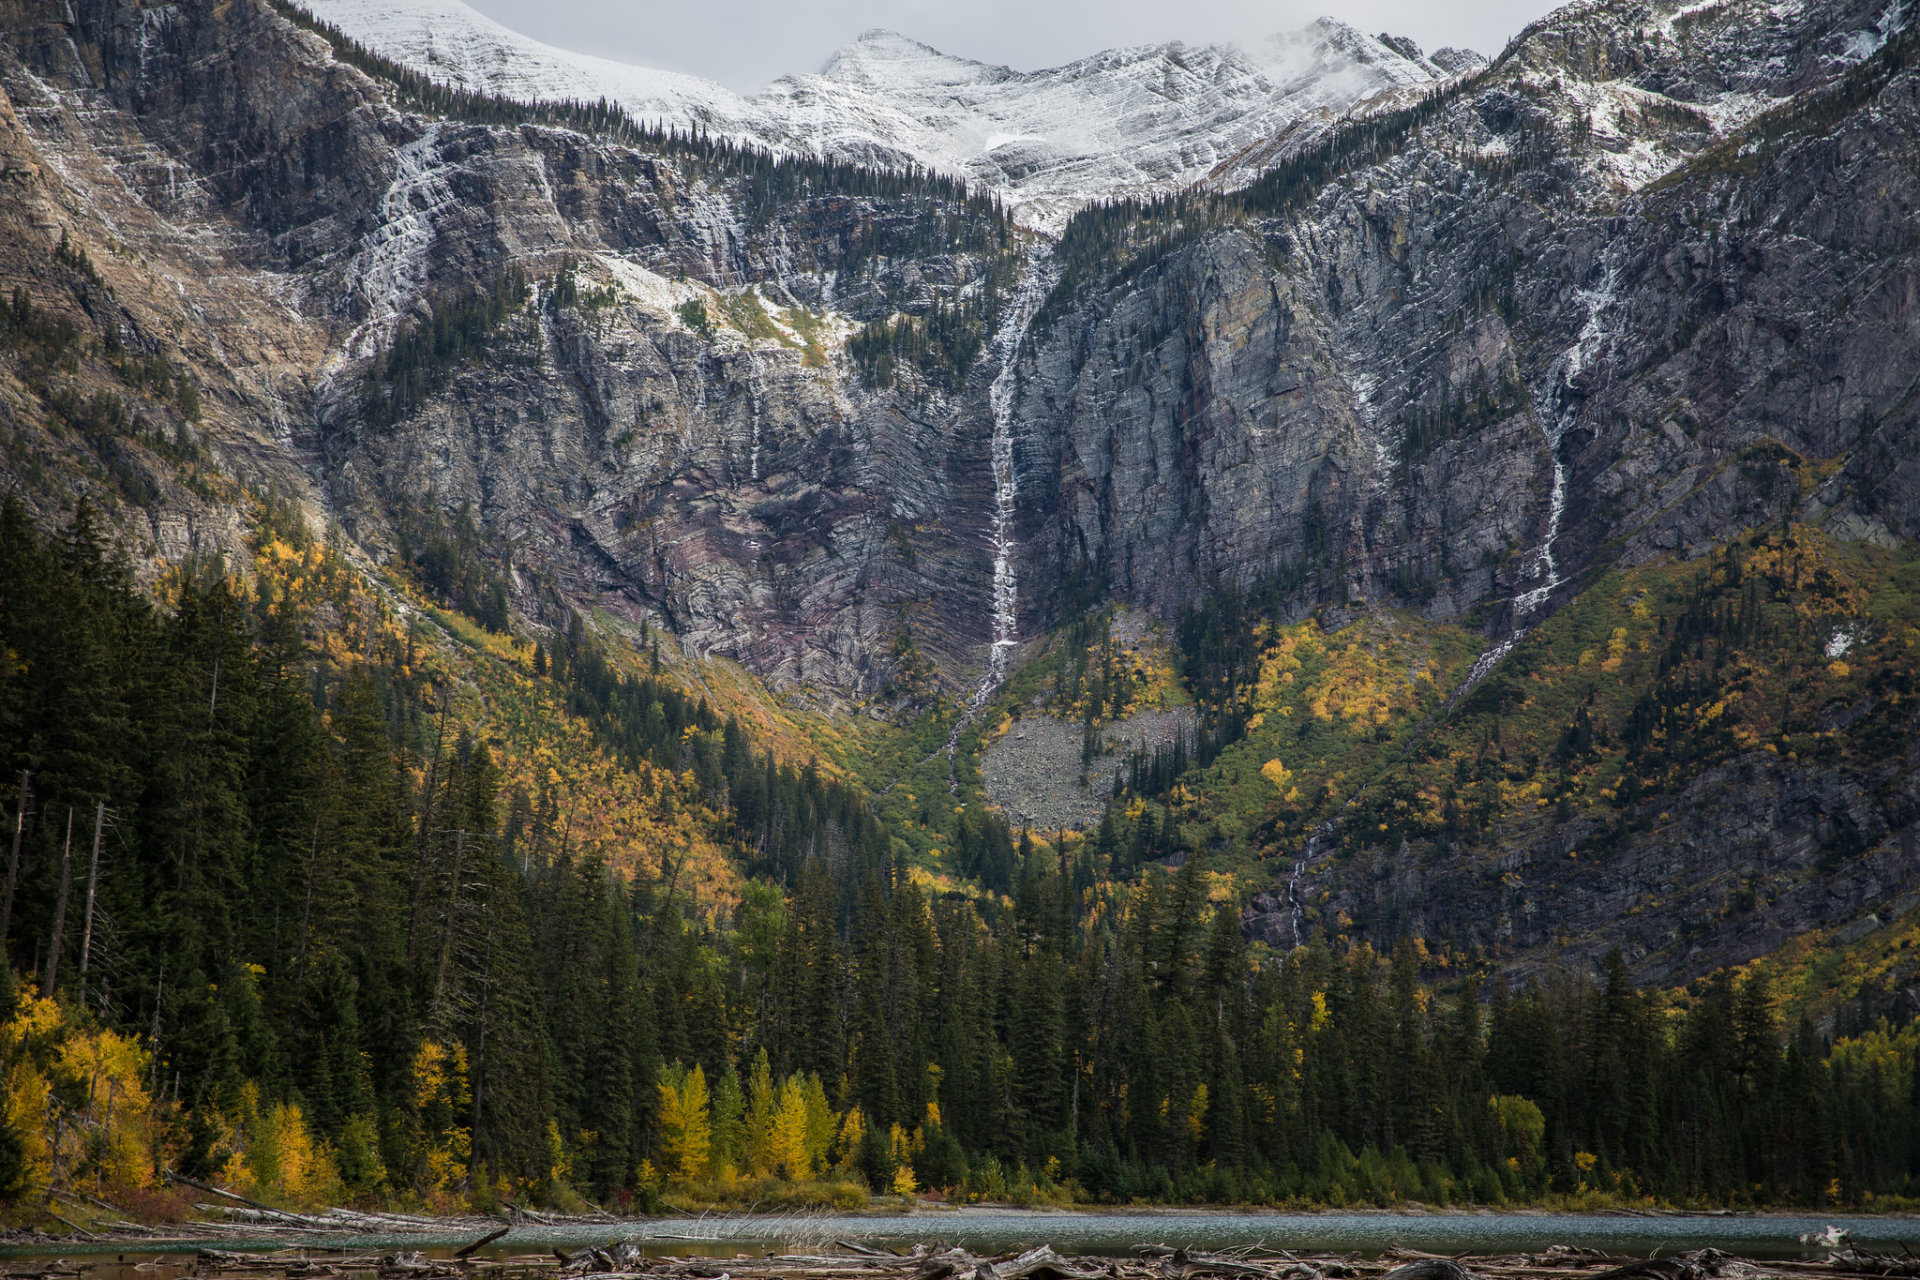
{"x": 26, "y": 1107}
{"x": 790, "y": 1154}
{"x": 277, "y": 1157}
{"x": 1523, "y": 1127}
{"x": 29, "y": 1096}
{"x": 440, "y": 1096}
{"x": 75, "y": 1096}
{"x": 1364, "y": 681}
{"x": 903, "y": 1179}
{"x": 685, "y": 1124}
{"x": 119, "y": 1114}
{"x": 822, "y": 1121}
{"x": 763, "y": 1105}
{"x": 1282, "y": 779}
{"x": 852, "y": 1130}
{"x": 1280, "y": 665}
{"x": 1197, "y": 1114}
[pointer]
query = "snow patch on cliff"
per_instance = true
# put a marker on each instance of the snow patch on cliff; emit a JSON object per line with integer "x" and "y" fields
{"x": 657, "y": 295}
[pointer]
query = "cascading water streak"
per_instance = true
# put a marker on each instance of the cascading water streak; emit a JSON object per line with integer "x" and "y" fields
{"x": 1006, "y": 346}
{"x": 1005, "y": 350}
{"x": 1296, "y": 901}
{"x": 1600, "y": 328}
{"x": 753, "y": 405}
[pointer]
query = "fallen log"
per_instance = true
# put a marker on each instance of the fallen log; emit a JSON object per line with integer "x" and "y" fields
{"x": 1698, "y": 1265}
{"x": 1183, "y": 1263}
{"x": 197, "y": 1185}
{"x": 1869, "y": 1264}
{"x": 468, "y": 1250}
{"x": 1044, "y": 1264}
{"x": 525, "y": 1212}
{"x": 74, "y": 1227}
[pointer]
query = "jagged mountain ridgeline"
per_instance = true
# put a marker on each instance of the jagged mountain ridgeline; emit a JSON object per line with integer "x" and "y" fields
{"x": 1313, "y": 494}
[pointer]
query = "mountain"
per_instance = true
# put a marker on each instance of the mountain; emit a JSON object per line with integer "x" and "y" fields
{"x": 1143, "y": 120}
{"x": 1138, "y": 121}
{"x": 1506, "y": 377}
{"x": 1394, "y": 643}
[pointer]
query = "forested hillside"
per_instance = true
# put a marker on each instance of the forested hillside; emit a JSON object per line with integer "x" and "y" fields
{"x": 333, "y": 955}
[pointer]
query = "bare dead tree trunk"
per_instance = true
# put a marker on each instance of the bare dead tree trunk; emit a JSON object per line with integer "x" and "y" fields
{"x": 306, "y": 914}
{"x": 93, "y": 883}
{"x": 13, "y": 865}
{"x": 59, "y": 913}
{"x": 446, "y": 933}
{"x": 153, "y": 1040}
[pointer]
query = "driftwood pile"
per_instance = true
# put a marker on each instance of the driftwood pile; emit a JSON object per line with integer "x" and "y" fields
{"x": 234, "y": 1218}
{"x": 852, "y": 1261}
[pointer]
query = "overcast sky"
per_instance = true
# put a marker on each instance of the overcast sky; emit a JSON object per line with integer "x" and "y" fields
{"x": 746, "y": 43}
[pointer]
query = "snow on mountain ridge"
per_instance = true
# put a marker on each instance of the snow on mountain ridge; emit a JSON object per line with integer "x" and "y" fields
{"x": 457, "y": 45}
{"x": 1135, "y": 120}
{"x": 877, "y": 49}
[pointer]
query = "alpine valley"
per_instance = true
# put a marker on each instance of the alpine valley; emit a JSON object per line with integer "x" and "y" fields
{"x": 1303, "y": 621}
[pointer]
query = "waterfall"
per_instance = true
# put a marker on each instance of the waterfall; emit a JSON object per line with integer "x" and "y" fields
{"x": 1005, "y": 350}
{"x": 753, "y": 406}
{"x": 1599, "y": 329}
{"x": 1295, "y": 903}
{"x": 1543, "y": 563}
{"x": 1006, "y": 486}
{"x": 395, "y": 258}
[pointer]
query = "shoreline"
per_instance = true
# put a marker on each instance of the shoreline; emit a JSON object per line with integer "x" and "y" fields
{"x": 345, "y": 1230}
{"x": 849, "y": 1260}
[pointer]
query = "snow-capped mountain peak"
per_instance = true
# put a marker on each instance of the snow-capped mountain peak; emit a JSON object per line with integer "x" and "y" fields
{"x": 1138, "y": 120}
{"x": 883, "y": 59}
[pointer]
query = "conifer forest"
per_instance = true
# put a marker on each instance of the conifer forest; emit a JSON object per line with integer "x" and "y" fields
{"x": 323, "y": 951}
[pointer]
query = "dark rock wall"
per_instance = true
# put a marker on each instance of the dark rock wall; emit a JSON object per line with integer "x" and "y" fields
{"x": 1242, "y": 408}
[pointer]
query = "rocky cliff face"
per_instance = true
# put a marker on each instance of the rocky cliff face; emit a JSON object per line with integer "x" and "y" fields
{"x": 1581, "y": 309}
{"x": 1593, "y": 246}
{"x": 1583, "y": 315}
{"x": 266, "y": 217}
{"x": 1583, "y": 275}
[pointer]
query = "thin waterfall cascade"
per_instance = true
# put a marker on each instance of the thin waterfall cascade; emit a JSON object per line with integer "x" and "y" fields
{"x": 1006, "y": 484}
{"x": 1296, "y": 900}
{"x": 1005, "y": 350}
{"x": 753, "y": 387}
{"x": 1601, "y": 326}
